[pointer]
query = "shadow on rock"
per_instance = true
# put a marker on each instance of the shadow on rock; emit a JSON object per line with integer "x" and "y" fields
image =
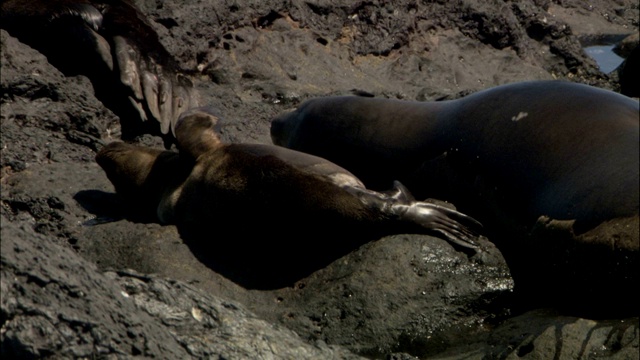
{"x": 592, "y": 274}
{"x": 258, "y": 256}
{"x": 628, "y": 73}
{"x": 255, "y": 255}
{"x": 563, "y": 337}
{"x": 109, "y": 207}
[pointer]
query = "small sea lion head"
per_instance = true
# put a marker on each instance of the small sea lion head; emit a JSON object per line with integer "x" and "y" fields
{"x": 197, "y": 131}
{"x": 139, "y": 174}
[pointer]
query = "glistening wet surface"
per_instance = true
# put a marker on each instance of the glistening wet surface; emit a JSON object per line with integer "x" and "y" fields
{"x": 605, "y": 57}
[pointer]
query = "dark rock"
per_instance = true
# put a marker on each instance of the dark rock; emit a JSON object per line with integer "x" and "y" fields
{"x": 547, "y": 334}
{"x": 426, "y": 296}
{"x": 67, "y": 240}
{"x": 629, "y": 73}
{"x": 626, "y": 45}
{"x": 47, "y": 117}
{"x": 56, "y": 304}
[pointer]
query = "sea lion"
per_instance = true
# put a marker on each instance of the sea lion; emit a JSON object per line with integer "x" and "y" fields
{"x": 538, "y": 144}
{"x": 112, "y": 43}
{"x": 508, "y": 156}
{"x": 210, "y": 182}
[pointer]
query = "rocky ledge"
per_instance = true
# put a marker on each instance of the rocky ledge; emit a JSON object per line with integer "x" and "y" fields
{"x": 81, "y": 278}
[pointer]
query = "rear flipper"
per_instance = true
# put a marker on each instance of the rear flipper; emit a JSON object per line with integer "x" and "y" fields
{"x": 400, "y": 193}
{"x": 398, "y": 204}
{"x": 456, "y": 227}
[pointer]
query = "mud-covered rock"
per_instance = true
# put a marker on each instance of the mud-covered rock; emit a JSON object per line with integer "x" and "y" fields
{"x": 68, "y": 242}
{"x": 547, "y": 334}
{"x": 57, "y": 304}
{"x": 395, "y": 49}
{"x": 47, "y": 117}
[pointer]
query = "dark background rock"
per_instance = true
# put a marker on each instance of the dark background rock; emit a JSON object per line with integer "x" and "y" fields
{"x": 67, "y": 240}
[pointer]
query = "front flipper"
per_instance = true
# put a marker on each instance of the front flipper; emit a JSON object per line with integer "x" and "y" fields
{"x": 113, "y": 44}
{"x": 155, "y": 87}
{"x": 456, "y": 227}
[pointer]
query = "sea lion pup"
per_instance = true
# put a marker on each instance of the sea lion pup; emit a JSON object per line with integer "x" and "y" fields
{"x": 209, "y": 182}
{"x": 507, "y": 156}
{"x": 112, "y": 43}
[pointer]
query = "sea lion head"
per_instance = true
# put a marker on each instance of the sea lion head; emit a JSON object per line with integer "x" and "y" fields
{"x": 283, "y": 127}
{"x": 140, "y": 175}
{"x": 197, "y": 131}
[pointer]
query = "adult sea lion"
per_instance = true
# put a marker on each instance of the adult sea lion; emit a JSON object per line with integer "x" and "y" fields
{"x": 209, "y": 185}
{"x": 507, "y": 156}
{"x": 560, "y": 149}
{"x": 112, "y": 43}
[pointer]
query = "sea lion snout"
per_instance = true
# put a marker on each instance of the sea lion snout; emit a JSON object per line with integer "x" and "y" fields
{"x": 111, "y": 156}
{"x": 133, "y": 169}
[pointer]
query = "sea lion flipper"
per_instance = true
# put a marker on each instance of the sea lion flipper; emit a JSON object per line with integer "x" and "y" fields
{"x": 161, "y": 87}
{"x": 147, "y": 69}
{"x": 165, "y": 103}
{"x": 127, "y": 60}
{"x": 455, "y": 226}
{"x": 115, "y": 46}
{"x": 400, "y": 193}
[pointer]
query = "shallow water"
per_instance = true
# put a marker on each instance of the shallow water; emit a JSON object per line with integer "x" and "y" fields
{"x": 605, "y": 57}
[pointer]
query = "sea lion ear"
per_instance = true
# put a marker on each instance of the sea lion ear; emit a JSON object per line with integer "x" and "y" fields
{"x": 196, "y": 131}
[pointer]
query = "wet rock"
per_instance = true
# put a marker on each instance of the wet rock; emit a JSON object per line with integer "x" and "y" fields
{"x": 546, "y": 334}
{"x": 399, "y": 293}
{"x": 57, "y": 304}
{"x": 68, "y": 242}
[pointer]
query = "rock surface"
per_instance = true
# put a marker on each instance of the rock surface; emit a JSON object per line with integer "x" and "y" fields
{"x": 65, "y": 307}
{"x": 82, "y": 277}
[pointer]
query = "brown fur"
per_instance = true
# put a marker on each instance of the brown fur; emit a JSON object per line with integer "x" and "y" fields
{"x": 509, "y": 156}
{"x": 263, "y": 184}
{"x": 517, "y": 151}
{"x": 226, "y": 199}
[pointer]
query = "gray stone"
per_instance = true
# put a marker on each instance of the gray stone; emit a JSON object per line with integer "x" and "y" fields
{"x": 70, "y": 250}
